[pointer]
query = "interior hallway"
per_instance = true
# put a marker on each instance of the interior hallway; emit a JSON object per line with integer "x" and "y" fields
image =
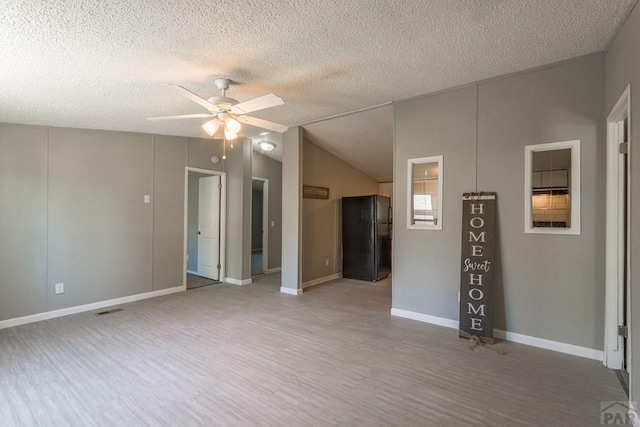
{"x": 195, "y": 281}
{"x": 250, "y": 355}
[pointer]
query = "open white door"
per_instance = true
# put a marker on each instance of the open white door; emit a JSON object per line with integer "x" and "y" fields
{"x": 209, "y": 227}
{"x": 618, "y": 262}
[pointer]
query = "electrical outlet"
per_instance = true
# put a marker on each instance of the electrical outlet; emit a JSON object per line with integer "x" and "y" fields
{"x": 147, "y": 198}
{"x": 59, "y": 288}
{"x": 326, "y": 261}
{"x": 273, "y": 223}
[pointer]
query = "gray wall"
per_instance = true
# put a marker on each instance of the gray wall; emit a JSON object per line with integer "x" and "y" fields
{"x": 623, "y": 67}
{"x": 548, "y": 286}
{"x": 193, "y": 199}
{"x": 100, "y": 229}
{"x": 292, "y": 151}
{"x": 23, "y": 228}
{"x": 169, "y": 159}
{"x": 238, "y": 166}
{"x": 73, "y": 211}
{"x": 201, "y": 150}
{"x": 322, "y": 219}
{"x": 267, "y": 168}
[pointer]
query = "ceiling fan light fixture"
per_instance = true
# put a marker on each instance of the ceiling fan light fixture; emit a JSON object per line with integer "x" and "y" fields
{"x": 267, "y": 145}
{"x": 232, "y": 125}
{"x": 211, "y": 127}
{"x": 230, "y": 135}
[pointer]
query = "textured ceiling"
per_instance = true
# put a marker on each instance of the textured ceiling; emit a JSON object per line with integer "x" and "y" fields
{"x": 101, "y": 64}
{"x": 365, "y": 140}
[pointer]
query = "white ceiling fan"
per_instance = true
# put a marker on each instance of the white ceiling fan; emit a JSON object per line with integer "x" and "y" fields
{"x": 228, "y": 111}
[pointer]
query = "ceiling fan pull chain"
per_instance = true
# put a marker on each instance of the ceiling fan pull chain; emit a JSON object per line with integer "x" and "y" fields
{"x": 224, "y": 149}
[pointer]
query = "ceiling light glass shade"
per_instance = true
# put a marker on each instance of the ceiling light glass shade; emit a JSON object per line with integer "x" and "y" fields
{"x": 267, "y": 145}
{"x": 232, "y": 125}
{"x": 230, "y": 135}
{"x": 211, "y": 127}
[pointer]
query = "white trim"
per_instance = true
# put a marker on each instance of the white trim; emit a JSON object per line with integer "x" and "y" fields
{"x": 9, "y": 323}
{"x": 420, "y": 317}
{"x": 238, "y": 282}
{"x": 621, "y": 110}
{"x": 265, "y": 226}
{"x": 273, "y": 270}
{"x": 320, "y": 280}
{"x": 192, "y": 272}
{"x": 560, "y": 347}
{"x": 422, "y": 160}
{"x": 575, "y": 191}
{"x": 223, "y": 219}
{"x": 614, "y": 306}
{"x": 290, "y": 291}
{"x": 633, "y": 414}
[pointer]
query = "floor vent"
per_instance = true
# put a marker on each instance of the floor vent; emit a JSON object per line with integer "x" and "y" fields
{"x": 115, "y": 310}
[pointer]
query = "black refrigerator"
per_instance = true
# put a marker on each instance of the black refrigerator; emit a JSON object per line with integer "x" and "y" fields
{"x": 366, "y": 237}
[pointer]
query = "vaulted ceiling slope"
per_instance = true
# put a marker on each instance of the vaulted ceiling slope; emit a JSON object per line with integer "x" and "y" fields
{"x": 100, "y": 64}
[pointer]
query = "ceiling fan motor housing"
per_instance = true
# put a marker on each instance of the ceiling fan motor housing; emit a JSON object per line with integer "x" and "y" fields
{"x": 221, "y": 103}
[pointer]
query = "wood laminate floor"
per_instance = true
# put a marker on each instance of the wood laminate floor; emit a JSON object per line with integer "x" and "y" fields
{"x": 233, "y": 356}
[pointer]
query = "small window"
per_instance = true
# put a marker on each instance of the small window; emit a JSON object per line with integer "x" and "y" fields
{"x": 552, "y": 188}
{"x": 424, "y": 201}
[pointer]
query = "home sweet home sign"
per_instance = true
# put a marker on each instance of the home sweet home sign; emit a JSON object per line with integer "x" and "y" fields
{"x": 477, "y": 266}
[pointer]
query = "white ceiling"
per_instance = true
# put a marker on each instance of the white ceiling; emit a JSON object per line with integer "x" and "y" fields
{"x": 100, "y": 64}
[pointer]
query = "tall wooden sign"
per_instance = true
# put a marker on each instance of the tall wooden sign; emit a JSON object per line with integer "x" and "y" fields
{"x": 477, "y": 266}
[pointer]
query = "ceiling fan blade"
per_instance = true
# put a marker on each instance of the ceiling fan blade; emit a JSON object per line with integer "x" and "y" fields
{"x": 260, "y": 103}
{"x": 182, "y": 116}
{"x": 264, "y": 124}
{"x": 192, "y": 96}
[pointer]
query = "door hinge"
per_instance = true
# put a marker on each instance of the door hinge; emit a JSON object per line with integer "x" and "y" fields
{"x": 219, "y": 186}
{"x": 624, "y": 148}
{"x": 219, "y": 266}
{"x": 623, "y": 331}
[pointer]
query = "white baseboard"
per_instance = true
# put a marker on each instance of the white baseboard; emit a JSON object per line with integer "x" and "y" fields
{"x": 238, "y": 282}
{"x": 290, "y": 291}
{"x": 633, "y": 415}
{"x": 561, "y": 347}
{"x": 192, "y": 272}
{"x": 86, "y": 307}
{"x": 440, "y": 321}
{"x": 273, "y": 270}
{"x": 320, "y": 280}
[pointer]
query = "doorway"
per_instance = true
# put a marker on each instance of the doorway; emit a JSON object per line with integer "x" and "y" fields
{"x": 259, "y": 225}
{"x": 618, "y": 261}
{"x": 204, "y": 232}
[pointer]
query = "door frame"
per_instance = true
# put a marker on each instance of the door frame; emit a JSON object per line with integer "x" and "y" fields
{"x": 265, "y": 222}
{"x": 223, "y": 219}
{"x": 614, "y": 304}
